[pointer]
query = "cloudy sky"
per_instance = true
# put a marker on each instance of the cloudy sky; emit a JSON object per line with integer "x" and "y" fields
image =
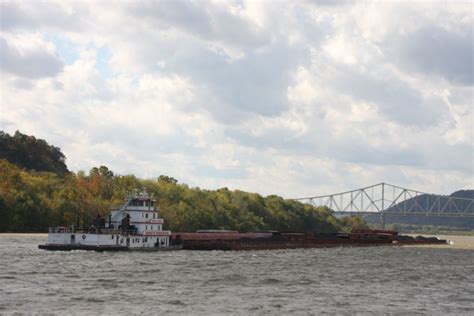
{"x": 296, "y": 98}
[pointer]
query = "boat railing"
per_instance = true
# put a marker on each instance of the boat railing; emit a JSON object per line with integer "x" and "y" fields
{"x": 90, "y": 230}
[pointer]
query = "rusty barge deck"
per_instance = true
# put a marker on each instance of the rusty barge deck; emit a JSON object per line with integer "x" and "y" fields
{"x": 231, "y": 240}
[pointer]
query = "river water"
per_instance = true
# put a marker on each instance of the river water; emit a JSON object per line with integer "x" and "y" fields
{"x": 374, "y": 280}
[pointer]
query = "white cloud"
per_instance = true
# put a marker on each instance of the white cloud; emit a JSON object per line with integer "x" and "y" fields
{"x": 290, "y": 98}
{"x": 28, "y": 56}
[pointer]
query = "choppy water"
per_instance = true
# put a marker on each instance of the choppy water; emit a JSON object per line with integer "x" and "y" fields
{"x": 373, "y": 280}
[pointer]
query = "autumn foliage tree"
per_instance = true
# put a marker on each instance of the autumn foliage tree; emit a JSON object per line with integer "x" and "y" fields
{"x": 36, "y": 196}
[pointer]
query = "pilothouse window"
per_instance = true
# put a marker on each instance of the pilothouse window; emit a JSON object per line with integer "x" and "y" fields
{"x": 137, "y": 203}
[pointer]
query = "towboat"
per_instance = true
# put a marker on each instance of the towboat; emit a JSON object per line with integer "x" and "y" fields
{"x": 133, "y": 226}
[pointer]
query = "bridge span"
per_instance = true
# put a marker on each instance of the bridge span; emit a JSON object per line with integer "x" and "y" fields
{"x": 384, "y": 199}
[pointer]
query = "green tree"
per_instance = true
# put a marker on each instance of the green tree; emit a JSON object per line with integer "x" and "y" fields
{"x": 31, "y": 153}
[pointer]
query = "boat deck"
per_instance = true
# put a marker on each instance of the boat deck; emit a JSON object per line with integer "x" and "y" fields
{"x": 105, "y": 248}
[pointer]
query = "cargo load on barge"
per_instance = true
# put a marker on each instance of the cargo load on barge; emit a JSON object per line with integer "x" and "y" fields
{"x": 233, "y": 240}
{"x": 133, "y": 226}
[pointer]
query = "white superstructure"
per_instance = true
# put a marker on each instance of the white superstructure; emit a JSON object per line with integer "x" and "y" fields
{"x": 135, "y": 225}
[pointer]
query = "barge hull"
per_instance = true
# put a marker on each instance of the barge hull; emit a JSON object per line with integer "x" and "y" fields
{"x": 294, "y": 240}
{"x": 270, "y": 246}
{"x": 82, "y": 247}
{"x": 106, "y": 248}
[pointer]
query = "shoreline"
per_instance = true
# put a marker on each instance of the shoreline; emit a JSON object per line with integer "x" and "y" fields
{"x": 466, "y": 233}
{"x": 24, "y": 234}
{"x": 458, "y": 242}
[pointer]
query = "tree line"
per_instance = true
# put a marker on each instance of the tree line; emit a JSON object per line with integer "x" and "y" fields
{"x": 32, "y": 200}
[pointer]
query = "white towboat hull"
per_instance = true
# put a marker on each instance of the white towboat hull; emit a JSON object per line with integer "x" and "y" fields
{"x": 58, "y": 247}
{"x": 107, "y": 242}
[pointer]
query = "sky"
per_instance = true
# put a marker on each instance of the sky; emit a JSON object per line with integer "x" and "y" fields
{"x": 295, "y": 98}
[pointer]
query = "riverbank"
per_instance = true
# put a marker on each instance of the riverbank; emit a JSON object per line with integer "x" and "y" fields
{"x": 25, "y": 234}
{"x": 441, "y": 232}
{"x": 458, "y": 242}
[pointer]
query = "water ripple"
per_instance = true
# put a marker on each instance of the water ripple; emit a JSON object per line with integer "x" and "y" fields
{"x": 345, "y": 281}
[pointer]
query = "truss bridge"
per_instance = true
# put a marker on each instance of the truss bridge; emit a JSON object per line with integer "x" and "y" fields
{"x": 384, "y": 199}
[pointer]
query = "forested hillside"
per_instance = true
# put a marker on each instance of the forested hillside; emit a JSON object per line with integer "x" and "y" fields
{"x": 31, "y": 153}
{"x": 31, "y": 201}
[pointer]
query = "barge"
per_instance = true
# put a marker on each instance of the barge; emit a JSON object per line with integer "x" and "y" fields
{"x": 133, "y": 226}
{"x": 233, "y": 240}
